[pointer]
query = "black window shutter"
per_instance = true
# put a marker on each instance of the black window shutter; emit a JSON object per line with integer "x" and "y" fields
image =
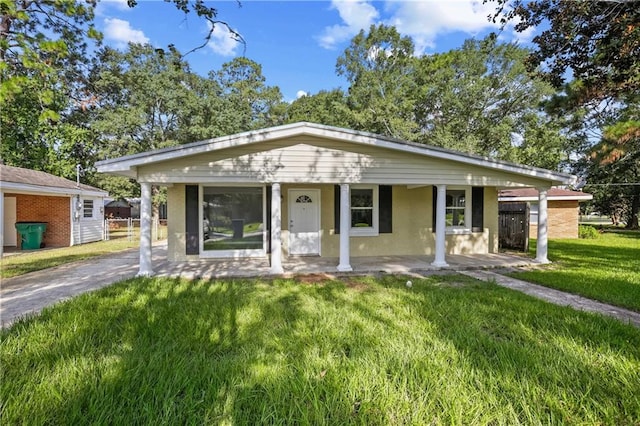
{"x": 268, "y": 219}
{"x": 433, "y": 210}
{"x": 385, "y": 218}
{"x": 191, "y": 220}
{"x": 336, "y": 208}
{"x": 477, "y": 209}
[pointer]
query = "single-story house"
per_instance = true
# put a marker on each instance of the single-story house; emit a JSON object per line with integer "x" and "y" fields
{"x": 73, "y": 212}
{"x": 306, "y": 189}
{"x": 562, "y": 207}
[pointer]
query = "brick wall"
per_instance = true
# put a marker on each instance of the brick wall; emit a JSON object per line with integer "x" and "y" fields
{"x": 562, "y": 218}
{"x": 53, "y": 210}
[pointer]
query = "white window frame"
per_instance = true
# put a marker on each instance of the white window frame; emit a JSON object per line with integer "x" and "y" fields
{"x": 84, "y": 209}
{"x": 235, "y": 254}
{"x": 370, "y": 231}
{"x": 466, "y": 229}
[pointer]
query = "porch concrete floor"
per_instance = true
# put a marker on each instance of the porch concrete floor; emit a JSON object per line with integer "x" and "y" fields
{"x": 211, "y": 268}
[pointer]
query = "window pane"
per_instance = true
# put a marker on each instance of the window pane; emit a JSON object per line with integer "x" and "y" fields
{"x": 455, "y": 217}
{"x": 361, "y": 198}
{"x": 87, "y": 208}
{"x": 233, "y": 218}
{"x": 362, "y": 218}
{"x": 455, "y": 207}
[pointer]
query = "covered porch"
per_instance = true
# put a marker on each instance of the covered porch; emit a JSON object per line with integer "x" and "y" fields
{"x": 294, "y": 265}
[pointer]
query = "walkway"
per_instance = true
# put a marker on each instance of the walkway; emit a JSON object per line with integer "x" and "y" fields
{"x": 558, "y": 297}
{"x": 29, "y": 294}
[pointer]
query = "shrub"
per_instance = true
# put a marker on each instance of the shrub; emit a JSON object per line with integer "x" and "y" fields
{"x": 588, "y": 232}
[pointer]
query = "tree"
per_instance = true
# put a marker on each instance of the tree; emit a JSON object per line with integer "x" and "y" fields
{"x": 614, "y": 166}
{"x": 594, "y": 42}
{"x": 249, "y": 101}
{"x": 324, "y": 107}
{"x": 44, "y": 59}
{"x": 379, "y": 67}
{"x": 146, "y": 99}
{"x": 480, "y": 99}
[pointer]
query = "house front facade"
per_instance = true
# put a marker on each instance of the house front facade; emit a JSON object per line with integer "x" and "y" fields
{"x": 73, "y": 212}
{"x": 312, "y": 190}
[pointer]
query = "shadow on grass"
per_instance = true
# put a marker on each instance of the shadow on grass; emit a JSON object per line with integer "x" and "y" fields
{"x": 363, "y": 351}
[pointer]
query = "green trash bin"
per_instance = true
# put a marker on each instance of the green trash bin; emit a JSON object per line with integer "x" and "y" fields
{"x": 31, "y": 234}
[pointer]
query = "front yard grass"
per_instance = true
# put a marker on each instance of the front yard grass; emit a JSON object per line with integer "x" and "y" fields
{"x": 449, "y": 350}
{"x": 605, "y": 269}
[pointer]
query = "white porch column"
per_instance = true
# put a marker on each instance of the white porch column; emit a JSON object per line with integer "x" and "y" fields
{"x": 146, "y": 268}
{"x": 276, "y": 229}
{"x": 345, "y": 227}
{"x": 542, "y": 243}
{"x": 1, "y": 223}
{"x": 441, "y": 212}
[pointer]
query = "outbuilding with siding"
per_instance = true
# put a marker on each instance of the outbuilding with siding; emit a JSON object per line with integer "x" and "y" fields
{"x": 73, "y": 212}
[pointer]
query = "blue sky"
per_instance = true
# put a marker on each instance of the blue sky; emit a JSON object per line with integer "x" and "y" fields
{"x": 296, "y": 42}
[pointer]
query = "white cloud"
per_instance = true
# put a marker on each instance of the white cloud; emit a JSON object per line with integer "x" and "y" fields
{"x": 104, "y": 5}
{"x": 121, "y": 33}
{"x": 301, "y": 93}
{"x": 223, "y": 41}
{"x": 355, "y": 14}
{"x": 424, "y": 21}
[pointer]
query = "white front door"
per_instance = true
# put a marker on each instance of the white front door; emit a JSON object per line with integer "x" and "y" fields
{"x": 304, "y": 221}
{"x": 10, "y": 215}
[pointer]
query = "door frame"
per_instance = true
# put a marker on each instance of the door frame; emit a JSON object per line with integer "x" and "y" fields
{"x": 291, "y": 203}
{"x": 10, "y": 231}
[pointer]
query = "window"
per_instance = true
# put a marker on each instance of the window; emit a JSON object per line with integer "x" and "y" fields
{"x": 455, "y": 216}
{"x": 87, "y": 209}
{"x": 381, "y": 220}
{"x": 364, "y": 210}
{"x": 233, "y": 219}
{"x": 464, "y": 209}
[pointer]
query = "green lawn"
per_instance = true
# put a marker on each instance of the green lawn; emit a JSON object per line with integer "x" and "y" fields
{"x": 449, "y": 350}
{"x": 605, "y": 269}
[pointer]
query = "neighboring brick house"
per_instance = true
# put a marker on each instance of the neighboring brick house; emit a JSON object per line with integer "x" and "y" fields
{"x": 563, "y": 209}
{"x": 73, "y": 212}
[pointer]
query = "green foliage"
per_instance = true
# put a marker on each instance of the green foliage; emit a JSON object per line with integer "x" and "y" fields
{"x": 597, "y": 42}
{"x": 360, "y": 350}
{"x": 248, "y": 103}
{"x": 588, "y": 232}
{"x": 325, "y": 107}
{"x": 379, "y": 66}
{"x": 477, "y": 98}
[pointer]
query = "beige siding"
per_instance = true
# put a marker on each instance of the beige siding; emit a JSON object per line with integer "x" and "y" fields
{"x": 313, "y": 160}
{"x": 412, "y": 220}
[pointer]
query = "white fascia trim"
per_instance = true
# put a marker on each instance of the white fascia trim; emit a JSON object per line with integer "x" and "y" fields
{"x": 126, "y": 165}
